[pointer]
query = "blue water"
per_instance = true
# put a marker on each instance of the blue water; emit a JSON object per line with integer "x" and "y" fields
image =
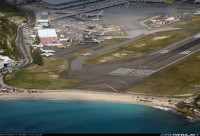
{"x": 51, "y": 116}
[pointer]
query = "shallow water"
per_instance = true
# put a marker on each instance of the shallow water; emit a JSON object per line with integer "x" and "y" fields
{"x": 70, "y": 116}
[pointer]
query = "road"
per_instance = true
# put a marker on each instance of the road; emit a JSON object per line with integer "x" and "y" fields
{"x": 25, "y": 54}
{"x": 119, "y": 76}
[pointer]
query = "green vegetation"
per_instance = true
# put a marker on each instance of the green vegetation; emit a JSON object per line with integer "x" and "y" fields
{"x": 197, "y": 101}
{"x": 10, "y": 18}
{"x": 78, "y": 53}
{"x": 193, "y": 23}
{"x": 37, "y": 58}
{"x": 8, "y": 34}
{"x": 42, "y": 77}
{"x": 147, "y": 44}
{"x": 181, "y": 79}
{"x": 37, "y": 40}
{"x": 113, "y": 41}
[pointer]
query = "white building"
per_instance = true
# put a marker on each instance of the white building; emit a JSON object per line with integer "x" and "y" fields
{"x": 43, "y": 22}
{"x": 47, "y": 33}
{"x": 47, "y": 36}
{"x": 1, "y": 64}
{"x": 6, "y": 61}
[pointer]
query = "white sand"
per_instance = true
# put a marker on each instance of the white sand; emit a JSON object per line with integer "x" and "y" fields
{"x": 89, "y": 96}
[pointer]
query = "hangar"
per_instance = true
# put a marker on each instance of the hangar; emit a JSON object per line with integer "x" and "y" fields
{"x": 47, "y": 36}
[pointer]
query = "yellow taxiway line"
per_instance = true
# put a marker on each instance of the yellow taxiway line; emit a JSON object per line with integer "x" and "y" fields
{"x": 111, "y": 87}
{"x": 99, "y": 85}
{"x": 124, "y": 82}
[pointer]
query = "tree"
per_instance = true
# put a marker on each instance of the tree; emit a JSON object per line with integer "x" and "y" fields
{"x": 37, "y": 58}
{"x": 37, "y": 40}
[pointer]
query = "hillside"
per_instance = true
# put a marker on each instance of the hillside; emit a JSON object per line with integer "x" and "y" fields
{"x": 10, "y": 19}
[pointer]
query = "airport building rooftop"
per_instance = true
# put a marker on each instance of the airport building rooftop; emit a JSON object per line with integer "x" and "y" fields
{"x": 64, "y": 4}
{"x": 58, "y": 2}
{"x": 47, "y": 33}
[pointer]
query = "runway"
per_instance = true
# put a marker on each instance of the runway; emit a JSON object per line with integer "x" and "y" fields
{"x": 121, "y": 75}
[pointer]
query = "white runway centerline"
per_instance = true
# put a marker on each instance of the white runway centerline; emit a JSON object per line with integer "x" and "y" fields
{"x": 164, "y": 51}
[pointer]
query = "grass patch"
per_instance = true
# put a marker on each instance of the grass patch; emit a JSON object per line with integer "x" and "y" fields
{"x": 195, "y": 22}
{"x": 183, "y": 78}
{"x": 147, "y": 44}
{"x": 78, "y": 53}
{"x": 42, "y": 77}
{"x": 113, "y": 41}
{"x": 138, "y": 48}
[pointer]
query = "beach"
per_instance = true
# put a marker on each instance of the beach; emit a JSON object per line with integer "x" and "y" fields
{"x": 91, "y": 96}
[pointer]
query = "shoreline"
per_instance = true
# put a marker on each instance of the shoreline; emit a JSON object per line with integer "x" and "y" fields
{"x": 91, "y": 96}
{"x": 94, "y": 96}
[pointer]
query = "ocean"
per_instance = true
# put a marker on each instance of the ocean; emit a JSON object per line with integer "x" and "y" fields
{"x": 71, "y": 116}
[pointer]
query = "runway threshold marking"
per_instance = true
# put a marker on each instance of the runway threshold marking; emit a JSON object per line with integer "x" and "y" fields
{"x": 124, "y": 82}
{"x": 111, "y": 87}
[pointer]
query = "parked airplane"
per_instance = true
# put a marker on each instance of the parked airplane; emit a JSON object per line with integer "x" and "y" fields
{"x": 92, "y": 15}
{"x": 102, "y": 33}
{"x": 86, "y": 54}
{"x": 47, "y": 54}
{"x": 109, "y": 37}
{"x": 186, "y": 13}
{"x": 197, "y": 13}
{"x": 95, "y": 19}
{"x": 62, "y": 47}
{"x": 88, "y": 35}
{"x": 95, "y": 40}
{"x": 90, "y": 32}
{"x": 47, "y": 51}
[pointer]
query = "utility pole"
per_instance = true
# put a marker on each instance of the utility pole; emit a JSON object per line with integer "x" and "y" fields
{"x": 73, "y": 42}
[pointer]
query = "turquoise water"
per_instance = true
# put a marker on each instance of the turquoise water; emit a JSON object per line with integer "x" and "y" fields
{"x": 52, "y": 116}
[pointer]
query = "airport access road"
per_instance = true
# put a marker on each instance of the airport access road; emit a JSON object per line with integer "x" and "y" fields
{"x": 121, "y": 75}
{"x": 25, "y": 54}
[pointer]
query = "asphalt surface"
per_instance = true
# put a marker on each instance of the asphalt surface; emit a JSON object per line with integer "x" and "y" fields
{"x": 26, "y": 57}
{"x": 76, "y": 64}
{"x": 119, "y": 76}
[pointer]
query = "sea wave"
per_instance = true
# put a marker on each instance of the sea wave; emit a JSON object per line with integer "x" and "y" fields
{"x": 192, "y": 120}
{"x": 162, "y": 108}
{"x": 167, "y": 109}
{"x": 189, "y": 119}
